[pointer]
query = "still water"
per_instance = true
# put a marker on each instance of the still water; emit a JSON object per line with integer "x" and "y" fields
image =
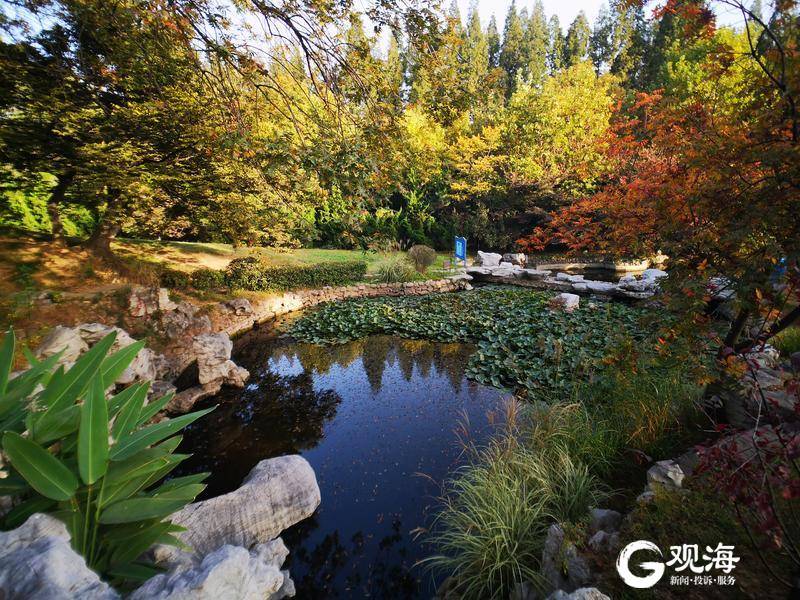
{"x": 381, "y": 420}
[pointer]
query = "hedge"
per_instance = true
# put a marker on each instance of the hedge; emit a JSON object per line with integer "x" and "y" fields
{"x": 250, "y": 273}
{"x": 174, "y": 279}
{"x": 207, "y": 279}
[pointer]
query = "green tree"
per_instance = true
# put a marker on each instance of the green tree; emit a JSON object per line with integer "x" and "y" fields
{"x": 576, "y": 44}
{"x": 512, "y": 52}
{"x": 538, "y": 41}
{"x": 555, "y": 50}
{"x": 493, "y": 43}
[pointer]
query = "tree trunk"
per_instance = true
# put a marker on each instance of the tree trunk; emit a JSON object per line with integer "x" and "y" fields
{"x": 63, "y": 181}
{"x": 107, "y": 229}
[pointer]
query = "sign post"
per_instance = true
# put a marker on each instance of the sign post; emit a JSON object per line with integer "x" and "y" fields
{"x": 461, "y": 250}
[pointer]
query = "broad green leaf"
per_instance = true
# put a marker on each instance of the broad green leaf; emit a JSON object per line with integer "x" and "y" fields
{"x": 61, "y": 424}
{"x": 65, "y": 391}
{"x": 118, "y": 401}
{"x": 12, "y": 485}
{"x": 186, "y": 479}
{"x": 136, "y": 543}
{"x": 136, "y": 509}
{"x": 138, "y": 440}
{"x": 128, "y": 417}
{"x": 115, "y": 365}
{"x": 46, "y": 474}
{"x": 93, "y": 433}
{"x": 6, "y": 359}
{"x": 152, "y": 409}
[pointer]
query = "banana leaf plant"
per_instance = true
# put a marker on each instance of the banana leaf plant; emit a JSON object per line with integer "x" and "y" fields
{"x": 95, "y": 462}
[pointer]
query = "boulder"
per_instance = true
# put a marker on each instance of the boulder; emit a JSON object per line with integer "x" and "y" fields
{"x": 184, "y": 322}
{"x": 144, "y": 301}
{"x": 523, "y": 591}
{"x": 277, "y": 493}
{"x": 143, "y": 366}
{"x": 228, "y": 572}
{"x": 515, "y": 258}
{"x": 562, "y": 566}
{"x": 37, "y": 562}
{"x": 603, "y": 519}
{"x": 600, "y": 287}
{"x": 653, "y": 274}
{"x": 184, "y": 401}
{"x": 665, "y": 472}
{"x": 489, "y": 259}
{"x": 239, "y": 306}
{"x": 580, "y": 594}
{"x": 534, "y": 274}
{"x": 213, "y": 351}
{"x": 603, "y": 542}
{"x": 568, "y": 277}
{"x": 63, "y": 339}
{"x": 567, "y": 302}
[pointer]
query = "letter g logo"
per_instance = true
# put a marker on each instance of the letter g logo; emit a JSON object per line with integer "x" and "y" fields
{"x": 656, "y": 568}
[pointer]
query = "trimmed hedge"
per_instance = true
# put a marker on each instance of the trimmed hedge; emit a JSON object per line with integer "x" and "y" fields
{"x": 208, "y": 279}
{"x": 250, "y": 273}
{"x": 174, "y": 279}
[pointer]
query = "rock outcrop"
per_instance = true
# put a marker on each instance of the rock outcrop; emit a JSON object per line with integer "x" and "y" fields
{"x": 213, "y": 351}
{"x": 489, "y": 259}
{"x": 37, "y": 562}
{"x": 277, "y": 493}
{"x": 228, "y": 572}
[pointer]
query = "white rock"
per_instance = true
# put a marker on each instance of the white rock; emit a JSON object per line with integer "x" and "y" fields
{"x": 667, "y": 473}
{"x": 534, "y": 273}
{"x": 653, "y": 274}
{"x": 64, "y": 339}
{"x": 239, "y": 306}
{"x": 143, "y": 366}
{"x": 213, "y": 351}
{"x": 516, "y": 258}
{"x": 228, "y": 572}
{"x": 277, "y": 493}
{"x": 145, "y": 301}
{"x": 489, "y": 259}
{"x": 38, "y": 563}
{"x": 568, "y": 277}
{"x": 567, "y": 302}
{"x": 600, "y": 287}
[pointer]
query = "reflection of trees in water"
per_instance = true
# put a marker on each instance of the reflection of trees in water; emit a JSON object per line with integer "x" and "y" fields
{"x": 382, "y": 575}
{"x": 280, "y": 415}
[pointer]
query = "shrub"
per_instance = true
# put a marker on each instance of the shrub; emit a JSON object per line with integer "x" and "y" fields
{"x": 421, "y": 257}
{"x": 251, "y": 273}
{"x": 208, "y": 279}
{"x": 174, "y": 279}
{"x": 787, "y": 341}
{"x": 394, "y": 271}
{"x": 97, "y": 464}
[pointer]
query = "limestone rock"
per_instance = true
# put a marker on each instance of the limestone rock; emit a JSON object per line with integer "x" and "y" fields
{"x": 567, "y": 302}
{"x": 239, "y": 306}
{"x": 489, "y": 259}
{"x": 568, "y": 277}
{"x": 184, "y": 401}
{"x": 600, "y": 287}
{"x": 515, "y": 258}
{"x": 603, "y": 519}
{"x": 534, "y": 274}
{"x": 145, "y": 301}
{"x": 213, "y": 351}
{"x": 667, "y": 473}
{"x": 143, "y": 366}
{"x": 228, "y": 572}
{"x": 580, "y": 594}
{"x": 277, "y": 493}
{"x": 184, "y": 322}
{"x": 64, "y": 339}
{"x": 604, "y": 542}
{"x": 38, "y": 563}
{"x": 523, "y": 591}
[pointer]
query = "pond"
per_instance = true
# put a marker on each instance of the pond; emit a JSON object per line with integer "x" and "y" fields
{"x": 381, "y": 420}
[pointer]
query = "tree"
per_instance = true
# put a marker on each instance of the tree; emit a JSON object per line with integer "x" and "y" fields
{"x": 493, "y": 43}
{"x": 512, "y": 52}
{"x": 555, "y": 52}
{"x": 576, "y": 44}
{"x": 538, "y": 41}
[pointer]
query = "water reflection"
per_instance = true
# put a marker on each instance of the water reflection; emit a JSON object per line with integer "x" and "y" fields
{"x": 376, "y": 419}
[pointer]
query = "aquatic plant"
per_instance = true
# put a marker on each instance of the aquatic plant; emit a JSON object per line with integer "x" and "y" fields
{"x": 521, "y": 343}
{"x": 95, "y": 463}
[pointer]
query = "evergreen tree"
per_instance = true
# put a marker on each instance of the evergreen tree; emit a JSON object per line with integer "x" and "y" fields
{"x": 601, "y": 43}
{"x": 555, "y": 50}
{"x": 576, "y": 47}
{"x": 538, "y": 41}
{"x": 476, "y": 55}
{"x": 513, "y": 48}
{"x": 493, "y": 43}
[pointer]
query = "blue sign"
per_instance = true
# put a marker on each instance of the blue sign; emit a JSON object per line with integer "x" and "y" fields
{"x": 461, "y": 249}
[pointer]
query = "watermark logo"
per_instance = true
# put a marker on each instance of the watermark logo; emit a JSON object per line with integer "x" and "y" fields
{"x": 691, "y": 566}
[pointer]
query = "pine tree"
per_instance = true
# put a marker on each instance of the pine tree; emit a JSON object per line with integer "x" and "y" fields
{"x": 577, "y": 43}
{"x": 493, "y": 43}
{"x": 601, "y": 43}
{"x": 512, "y": 51}
{"x": 555, "y": 50}
{"x": 538, "y": 41}
{"x": 476, "y": 55}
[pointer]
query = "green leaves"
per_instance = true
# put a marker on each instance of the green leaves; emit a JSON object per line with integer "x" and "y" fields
{"x": 67, "y": 464}
{"x": 521, "y": 343}
{"x": 93, "y": 434}
{"x": 43, "y": 471}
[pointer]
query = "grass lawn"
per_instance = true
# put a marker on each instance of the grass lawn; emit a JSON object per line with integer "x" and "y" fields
{"x": 188, "y": 256}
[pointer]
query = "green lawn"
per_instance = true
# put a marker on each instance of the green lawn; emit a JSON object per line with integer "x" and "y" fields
{"x": 189, "y": 256}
